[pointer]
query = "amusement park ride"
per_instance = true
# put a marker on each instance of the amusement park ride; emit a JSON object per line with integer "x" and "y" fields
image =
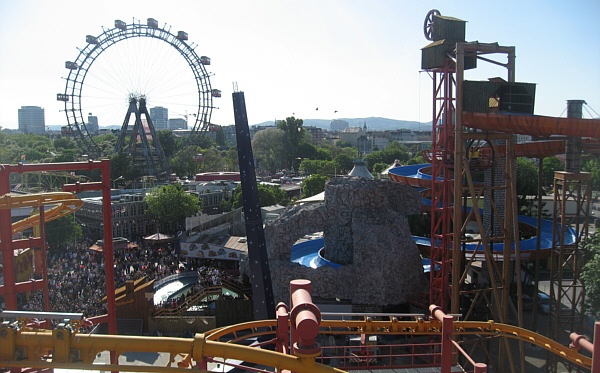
{"x": 466, "y": 141}
{"x": 134, "y": 87}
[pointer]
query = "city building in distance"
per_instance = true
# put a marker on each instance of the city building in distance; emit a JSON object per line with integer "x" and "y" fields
{"x": 160, "y": 117}
{"x": 31, "y": 120}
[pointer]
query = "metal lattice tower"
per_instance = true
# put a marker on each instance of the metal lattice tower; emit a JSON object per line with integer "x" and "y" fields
{"x": 572, "y": 196}
{"x": 442, "y": 158}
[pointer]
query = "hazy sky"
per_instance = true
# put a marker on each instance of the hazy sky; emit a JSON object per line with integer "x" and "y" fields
{"x": 359, "y": 58}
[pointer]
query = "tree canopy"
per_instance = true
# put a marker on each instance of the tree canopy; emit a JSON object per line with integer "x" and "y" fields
{"x": 527, "y": 177}
{"x": 170, "y": 203}
{"x": 590, "y": 275}
{"x": 268, "y": 195}
{"x": 294, "y": 135}
{"x": 394, "y": 151}
{"x": 550, "y": 165}
{"x": 313, "y": 185}
{"x": 269, "y": 148}
{"x": 593, "y": 167}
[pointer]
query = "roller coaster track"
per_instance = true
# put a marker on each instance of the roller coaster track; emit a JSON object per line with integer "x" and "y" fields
{"x": 419, "y": 327}
{"x": 65, "y": 202}
{"x": 27, "y": 347}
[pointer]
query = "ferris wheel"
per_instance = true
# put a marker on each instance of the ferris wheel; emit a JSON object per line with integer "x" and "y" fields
{"x": 128, "y": 69}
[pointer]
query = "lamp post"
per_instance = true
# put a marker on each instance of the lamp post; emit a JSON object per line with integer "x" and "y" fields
{"x": 115, "y": 181}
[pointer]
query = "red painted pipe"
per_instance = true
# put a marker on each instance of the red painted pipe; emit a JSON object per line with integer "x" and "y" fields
{"x": 305, "y": 318}
{"x": 579, "y": 341}
{"x": 480, "y": 368}
{"x": 447, "y": 329}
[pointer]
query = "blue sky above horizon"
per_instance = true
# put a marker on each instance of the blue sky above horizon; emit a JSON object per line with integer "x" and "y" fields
{"x": 350, "y": 59}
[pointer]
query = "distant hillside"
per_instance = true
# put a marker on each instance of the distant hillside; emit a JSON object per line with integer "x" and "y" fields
{"x": 373, "y": 124}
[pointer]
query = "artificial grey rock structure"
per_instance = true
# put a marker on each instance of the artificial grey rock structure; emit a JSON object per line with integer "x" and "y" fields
{"x": 366, "y": 230}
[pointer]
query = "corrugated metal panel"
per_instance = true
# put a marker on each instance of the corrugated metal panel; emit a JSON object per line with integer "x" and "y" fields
{"x": 511, "y": 97}
{"x": 448, "y": 28}
{"x": 434, "y": 55}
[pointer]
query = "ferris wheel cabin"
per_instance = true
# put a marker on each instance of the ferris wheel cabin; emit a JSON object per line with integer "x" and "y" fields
{"x": 205, "y": 60}
{"x": 71, "y": 65}
{"x": 216, "y": 93}
{"x": 152, "y": 23}
{"x": 120, "y": 25}
{"x": 90, "y": 39}
{"x": 182, "y": 35}
{"x": 62, "y": 97}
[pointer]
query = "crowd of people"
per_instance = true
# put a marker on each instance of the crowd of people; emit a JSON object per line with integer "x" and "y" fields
{"x": 76, "y": 277}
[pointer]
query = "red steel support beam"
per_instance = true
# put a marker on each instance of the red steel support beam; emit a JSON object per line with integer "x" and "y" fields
{"x": 283, "y": 334}
{"x": 7, "y": 245}
{"x": 8, "y": 261}
{"x": 447, "y": 328}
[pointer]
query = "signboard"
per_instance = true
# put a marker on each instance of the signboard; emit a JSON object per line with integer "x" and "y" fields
{"x": 209, "y": 251}
{"x": 24, "y": 265}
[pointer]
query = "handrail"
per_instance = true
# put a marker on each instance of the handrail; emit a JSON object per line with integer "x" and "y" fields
{"x": 39, "y": 340}
{"x": 422, "y": 327}
{"x": 190, "y": 301}
{"x": 174, "y": 277}
{"x": 193, "y": 299}
{"x": 236, "y": 287}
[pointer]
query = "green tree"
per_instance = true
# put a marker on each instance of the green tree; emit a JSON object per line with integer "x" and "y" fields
{"x": 344, "y": 162}
{"x": 232, "y": 160}
{"x": 224, "y": 205}
{"x": 269, "y": 148}
{"x": 527, "y": 182}
{"x": 61, "y": 143}
{"x": 121, "y": 165}
{"x": 343, "y": 144}
{"x": 527, "y": 176}
{"x": 62, "y": 232}
{"x": 306, "y": 150}
{"x": 417, "y": 159}
{"x": 184, "y": 164}
{"x": 593, "y": 167}
{"x": 67, "y": 155}
{"x": 312, "y": 167}
{"x": 34, "y": 155}
{"x": 394, "y": 151}
{"x": 590, "y": 275}
{"x": 106, "y": 143}
{"x": 313, "y": 185}
{"x": 323, "y": 154}
{"x": 550, "y": 165}
{"x": 379, "y": 167}
{"x": 294, "y": 135}
{"x": 220, "y": 137}
{"x": 212, "y": 160}
{"x": 268, "y": 195}
{"x": 170, "y": 203}
{"x": 168, "y": 142}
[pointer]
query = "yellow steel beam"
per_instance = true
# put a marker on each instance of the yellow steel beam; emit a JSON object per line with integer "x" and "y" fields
{"x": 24, "y": 347}
{"x": 65, "y": 202}
{"x": 71, "y": 348}
{"x": 423, "y": 327}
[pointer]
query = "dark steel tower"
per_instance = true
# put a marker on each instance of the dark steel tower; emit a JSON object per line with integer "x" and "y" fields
{"x": 260, "y": 277}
